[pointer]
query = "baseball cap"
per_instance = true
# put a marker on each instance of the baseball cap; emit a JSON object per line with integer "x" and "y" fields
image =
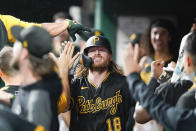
{"x": 36, "y": 39}
{"x": 97, "y": 40}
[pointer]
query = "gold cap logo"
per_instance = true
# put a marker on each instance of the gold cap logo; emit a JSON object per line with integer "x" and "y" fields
{"x": 96, "y": 39}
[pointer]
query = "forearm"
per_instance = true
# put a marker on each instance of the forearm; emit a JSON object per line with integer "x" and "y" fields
{"x": 140, "y": 115}
{"x": 66, "y": 117}
{"x": 153, "y": 83}
{"x": 55, "y": 28}
{"x": 65, "y": 82}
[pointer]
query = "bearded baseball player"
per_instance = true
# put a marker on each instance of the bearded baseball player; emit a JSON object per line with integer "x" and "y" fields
{"x": 100, "y": 98}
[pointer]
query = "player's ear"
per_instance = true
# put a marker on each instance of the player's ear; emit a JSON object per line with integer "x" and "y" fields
{"x": 110, "y": 57}
{"x": 189, "y": 61}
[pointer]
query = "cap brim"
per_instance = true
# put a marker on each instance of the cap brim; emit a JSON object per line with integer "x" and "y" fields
{"x": 16, "y": 30}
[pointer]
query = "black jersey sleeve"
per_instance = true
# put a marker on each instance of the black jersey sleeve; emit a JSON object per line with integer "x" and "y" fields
{"x": 171, "y": 118}
{"x": 187, "y": 100}
{"x": 171, "y": 92}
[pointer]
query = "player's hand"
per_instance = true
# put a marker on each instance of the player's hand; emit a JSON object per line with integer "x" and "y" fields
{"x": 5, "y": 97}
{"x": 157, "y": 68}
{"x": 143, "y": 61}
{"x": 65, "y": 60}
{"x": 74, "y": 27}
{"x": 131, "y": 59}
{"x": 172, "y": 65}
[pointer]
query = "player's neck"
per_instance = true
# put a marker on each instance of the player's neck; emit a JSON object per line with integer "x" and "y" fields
{"x": 97, "y": 77}
{"x": 13, "y": 80}
{"x": 29, "y": 77}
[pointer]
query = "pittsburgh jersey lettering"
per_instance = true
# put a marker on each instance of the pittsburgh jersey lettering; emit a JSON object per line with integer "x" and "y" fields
{"x": 89, "y": 106}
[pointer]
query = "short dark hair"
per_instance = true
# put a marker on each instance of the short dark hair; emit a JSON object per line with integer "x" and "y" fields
{"x": 6, "y": 55}
{"x": 190, "y": 46}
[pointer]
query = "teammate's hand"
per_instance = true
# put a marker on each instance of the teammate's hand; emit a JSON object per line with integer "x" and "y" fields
{"x": 157, "y": 68}
{"x": 5, "y": 97}
{"x": 74, "y": 27}
{"x": 65, "y": 60}
{"x": 131, "y": 59}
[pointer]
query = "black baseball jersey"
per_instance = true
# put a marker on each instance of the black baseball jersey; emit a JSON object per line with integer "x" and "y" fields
{"x": 103, "y": 108}
{"x": 12, "y": 122}
{"x": 37, "y": 102}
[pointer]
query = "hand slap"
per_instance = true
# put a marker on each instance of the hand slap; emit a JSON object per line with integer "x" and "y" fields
{"x": 65, "y": 60}
{"x": 131, "y": 58}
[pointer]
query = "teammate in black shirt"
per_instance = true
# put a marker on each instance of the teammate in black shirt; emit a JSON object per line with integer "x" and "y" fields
{"x": 41, "y": 87}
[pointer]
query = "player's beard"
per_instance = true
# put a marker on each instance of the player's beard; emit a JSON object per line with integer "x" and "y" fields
{"x": 101, "y": 66}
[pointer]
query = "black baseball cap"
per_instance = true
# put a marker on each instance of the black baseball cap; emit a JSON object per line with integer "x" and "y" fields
{"x": 37, "y": 40}
{"x": 97, "y": 40}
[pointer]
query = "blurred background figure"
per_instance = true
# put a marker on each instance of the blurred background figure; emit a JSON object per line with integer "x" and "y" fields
{"x": 159, "y": 43}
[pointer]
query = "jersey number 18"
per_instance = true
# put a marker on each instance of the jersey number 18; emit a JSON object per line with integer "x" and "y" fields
{"x": 116, "y": 124}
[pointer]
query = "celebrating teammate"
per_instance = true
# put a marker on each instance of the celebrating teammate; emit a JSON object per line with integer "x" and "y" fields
{"x": 100, "y": 93}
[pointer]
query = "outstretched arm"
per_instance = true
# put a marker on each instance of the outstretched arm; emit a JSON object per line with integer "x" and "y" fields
{"x": 55, "y": 28}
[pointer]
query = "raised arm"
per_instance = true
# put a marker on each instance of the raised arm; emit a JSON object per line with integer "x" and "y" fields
{"x": 55, "y": 28}
{"x": 64, "y": 63}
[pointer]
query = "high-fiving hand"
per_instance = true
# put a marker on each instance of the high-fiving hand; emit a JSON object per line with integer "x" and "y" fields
{"x": 131, "y": 59}
{"x": 65, "y": 60}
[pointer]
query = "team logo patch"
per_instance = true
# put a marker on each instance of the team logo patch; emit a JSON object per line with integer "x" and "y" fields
{"x": 96, "y": 39}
